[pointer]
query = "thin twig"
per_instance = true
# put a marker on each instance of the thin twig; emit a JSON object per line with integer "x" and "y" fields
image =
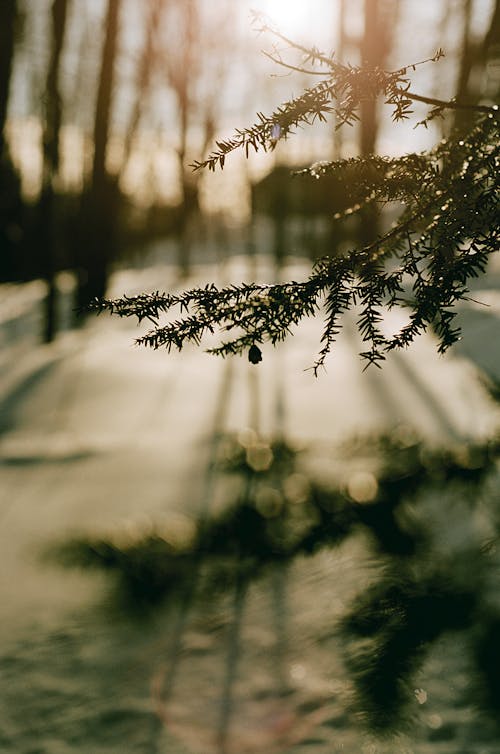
{"x": 475, "y": 301}
{"x": 320, "y": 57}
{"x": 316, "y": 54}
{"x": 281, "y": 62}
{"x": 449, "y": 105}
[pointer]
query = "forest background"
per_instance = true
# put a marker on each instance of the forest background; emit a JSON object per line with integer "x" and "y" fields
{"x": 104, "y": 106}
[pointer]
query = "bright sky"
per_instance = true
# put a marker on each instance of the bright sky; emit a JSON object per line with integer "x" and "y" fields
{"x": 309, "y": 21}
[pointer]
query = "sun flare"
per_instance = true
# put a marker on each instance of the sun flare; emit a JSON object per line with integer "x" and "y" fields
{"x": 294, "y": 18}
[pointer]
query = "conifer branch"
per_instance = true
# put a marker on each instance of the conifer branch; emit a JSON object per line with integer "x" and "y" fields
{"x": 442, "y": 238}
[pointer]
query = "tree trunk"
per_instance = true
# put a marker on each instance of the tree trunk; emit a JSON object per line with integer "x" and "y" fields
{"x": 380, "y": 18}
{"x": 340, "y": 54}
{"x": 8, "y": 15}
{"x": 52, "y": 128}
{"x": 11, "y": 206}
{"x": 99, "y": 203}
{"x": 145, "y": 70}
{"x": 372, "y": 55}
{"x": 188, "y": 182}
{"x": 473, "y": 62}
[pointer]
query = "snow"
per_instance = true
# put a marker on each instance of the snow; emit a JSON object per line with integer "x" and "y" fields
{"x": 98, "y": 435}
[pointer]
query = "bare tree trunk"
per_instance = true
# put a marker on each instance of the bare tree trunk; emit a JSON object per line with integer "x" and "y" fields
{"x": 340, "y": 54}
{"x": 380, "y": 19}
{"x": 466, "y": 64}
{"x": 372, "y": 55}
{"x": 8, "y": 15}
{"x": 143, "y": 81}
{"x": 188, "y": 184}
{"x": 99, "y": 205}
{"x": 51, "y": 133}
{"x": 492, "y": 39}
{"x": 473, "y": 61}
{"x": 11, "y": 206}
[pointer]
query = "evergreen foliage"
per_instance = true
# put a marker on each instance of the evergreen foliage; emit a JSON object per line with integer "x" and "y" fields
{"x": 425, "y": 586}
{"x": 443, "y": 236}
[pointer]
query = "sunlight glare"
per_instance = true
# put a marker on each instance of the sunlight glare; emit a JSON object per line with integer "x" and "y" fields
{"x": 293, "y": 18}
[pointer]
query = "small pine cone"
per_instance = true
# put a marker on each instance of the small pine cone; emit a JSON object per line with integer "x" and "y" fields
{"x": 254, "y": 354}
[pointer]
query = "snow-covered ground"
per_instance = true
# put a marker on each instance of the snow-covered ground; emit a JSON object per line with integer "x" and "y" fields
{"x": 96, "y": 435}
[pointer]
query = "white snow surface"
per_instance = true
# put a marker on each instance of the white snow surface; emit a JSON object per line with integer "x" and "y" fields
{"x": 97, "y": 434}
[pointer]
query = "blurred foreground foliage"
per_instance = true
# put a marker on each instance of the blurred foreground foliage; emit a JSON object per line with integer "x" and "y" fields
{"x": 436, "y": 564}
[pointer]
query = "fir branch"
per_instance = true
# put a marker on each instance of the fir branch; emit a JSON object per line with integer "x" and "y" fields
{"x": 341, "y": 92}
{"x": 443, "y": 238}
{"x": 338, "y": 301}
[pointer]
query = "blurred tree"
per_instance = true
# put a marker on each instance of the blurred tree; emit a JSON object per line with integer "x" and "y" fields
{"x": 98, "y": 215}
{"x": 51, "y": 157}
{"x": 380, "y": 23}
{"x": 144, "y": 79}
{"x": 11, "y": 208}
{"x": 8, "y": 16}
{"x": 341, "y": 45}
{"x": 474, "y": 57}
{"x": 195, "y": 67}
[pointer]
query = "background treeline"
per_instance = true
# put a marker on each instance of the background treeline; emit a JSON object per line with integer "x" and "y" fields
{"x": 95, "y": 95}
